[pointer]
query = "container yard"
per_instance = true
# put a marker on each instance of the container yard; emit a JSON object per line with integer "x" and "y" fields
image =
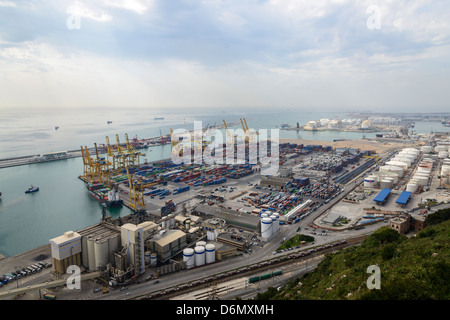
{"x": 196, "y": 217}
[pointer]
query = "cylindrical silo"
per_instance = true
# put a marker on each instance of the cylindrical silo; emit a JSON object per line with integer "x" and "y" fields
{"x": 274, "y": 224}
{"x": 411, "y": 186}
{"x": 84, "y": 253}
{"x": 153, "y": 259}
{"x": 147, "y": 257}
{"x": 277, "y": 225}
{"x": 210, "y": 253}
{"x": 113, "y": 245}
{"x": 266, "y": 227}
{"x": 400, "y": 164}
{"x": 385, "y": 184}
{"x": 200, "y": 243}
{"x": 421, "y": 180}
{"x": 426, "y": 149}
{"x": 369, "y": 182}
{"x": 91, "y": 253}
{"x": 442, "y": 154}
{"x": 188, "y": 257}
{"x": 199, "y": 252}
{"x": 101, "y": 253}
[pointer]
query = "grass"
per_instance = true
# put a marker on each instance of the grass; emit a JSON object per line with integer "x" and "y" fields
{"x": 296, "y": 241}
{"x": 415, "y": 268}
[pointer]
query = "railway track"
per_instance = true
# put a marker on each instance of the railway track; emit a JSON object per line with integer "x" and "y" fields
{"x": 275, "y": 262}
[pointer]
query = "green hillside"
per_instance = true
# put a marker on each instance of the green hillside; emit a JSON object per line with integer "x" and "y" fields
{"x": 411, "y": 268}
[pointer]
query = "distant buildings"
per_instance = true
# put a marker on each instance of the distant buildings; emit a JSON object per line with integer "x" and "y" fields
{"x": 407, "y": 222}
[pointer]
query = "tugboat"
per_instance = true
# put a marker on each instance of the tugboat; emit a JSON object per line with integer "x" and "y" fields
{"x": 32, "y": 189}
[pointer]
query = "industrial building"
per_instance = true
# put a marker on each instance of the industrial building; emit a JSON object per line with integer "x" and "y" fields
{"x": 98, "y": 243}
{"x": 167, "y": 244}
{"x": 133, "y": 239}
{"x": 332, "y": 218}
{"x": 382, "y": 197}
{"x": 240, "y": 220}
{"x": 278, "y": 183}
{"x": 66, "y": 251}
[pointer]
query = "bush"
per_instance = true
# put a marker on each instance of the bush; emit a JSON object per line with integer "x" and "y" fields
{"x": 437, "y": 217}
{"x": 388, "y": 251}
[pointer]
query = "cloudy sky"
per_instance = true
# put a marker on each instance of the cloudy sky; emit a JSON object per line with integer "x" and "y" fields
{"x": 335, "y": 54}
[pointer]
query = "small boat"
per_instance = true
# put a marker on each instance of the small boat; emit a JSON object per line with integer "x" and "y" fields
{"x": 159, "y": 118}
{"x": 32, "y": 189}
{"x": 109, "y": 122}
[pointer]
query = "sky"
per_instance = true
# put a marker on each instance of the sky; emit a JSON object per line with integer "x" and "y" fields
{"x": 337, "y": 55}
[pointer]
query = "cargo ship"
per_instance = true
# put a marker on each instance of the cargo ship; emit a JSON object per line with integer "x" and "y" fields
{"x": 108, "y": 196}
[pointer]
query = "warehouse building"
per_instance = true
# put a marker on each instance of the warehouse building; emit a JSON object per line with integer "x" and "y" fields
{"x": 332, "y": 218}
{"x": 233, "y": 218}
{"x": 167, "y": 244}
{"x": 274, "y": 182}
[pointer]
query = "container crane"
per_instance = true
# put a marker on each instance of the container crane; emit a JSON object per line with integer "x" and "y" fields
{"x": 110, "y": 154}
{"x": 132, "y": 153}
{"x": 136, "y": 194}
{"x": 102, "y": 166}
{"x": 230, "y": 138}
{"x": 121, "y": 155}
{"x": 250, "y": 135}
{"x": 86, "y": 167}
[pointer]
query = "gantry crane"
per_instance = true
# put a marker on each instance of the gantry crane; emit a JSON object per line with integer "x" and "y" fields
{"x": 250, "y": 134}
{"x": 110, "y": 154}
{"x": 87, "y": 168}
{"x": 102, "y": 167}
{"x": 136, "y": 194}
{"x": 132, "y": 153}
{"x": 121, "y": 155}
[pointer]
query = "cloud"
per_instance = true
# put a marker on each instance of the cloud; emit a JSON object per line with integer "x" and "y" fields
{"x": 217, "y": 52}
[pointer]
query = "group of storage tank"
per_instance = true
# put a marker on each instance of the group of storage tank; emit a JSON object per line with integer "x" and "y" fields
{"x": 270, "y": 224}
{"x": 445, "y": 171}
{"x": 202, "y": 254}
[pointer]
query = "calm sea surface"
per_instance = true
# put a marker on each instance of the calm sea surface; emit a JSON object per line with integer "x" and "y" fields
{"x": 62, "y": 204}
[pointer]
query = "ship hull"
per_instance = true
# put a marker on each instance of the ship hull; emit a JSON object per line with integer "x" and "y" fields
{"x": 114, "y": 203}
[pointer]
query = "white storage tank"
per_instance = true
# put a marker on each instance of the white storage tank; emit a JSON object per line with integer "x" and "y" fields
{"x": 423, "y": 170}
{"x": 210, "y": 253}
{"x": 188, "y": 257}
{"x": 266, "y": 227}
{"x": 394, "y": 169}
{"x": 200, "y": 243}
{"x": 442, "y": 154}
{"x": 400, "y": 164}
{"x": 277, "y": 225}
{"x": 405, "y": 160}
{"x": 421, "y": 180}
{"x": 412, "y": 186}
{"x": 426, "y": 149}
{"x": 153, "y": 259}
{"x": 147, "y": 255}
{"x": 199, "y": 252}
{"x": 385, "y": 184}
{"x": 369, "y": 182}
{"x": 274, "y": 224}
